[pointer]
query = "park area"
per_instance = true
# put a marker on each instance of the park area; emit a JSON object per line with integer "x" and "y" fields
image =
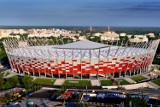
{"x": 156, "y": 81}
{"x": 44, "y": 81}
{"x": 110, "y": 82}
{"x": 123, "y": 82}
{"x": 77, "y": 83}
{"x": 106, "y": 82}
{"x": 138, "y": 78}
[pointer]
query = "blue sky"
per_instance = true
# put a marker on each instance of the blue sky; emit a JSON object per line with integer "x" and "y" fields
{"x": 80, "y": 12}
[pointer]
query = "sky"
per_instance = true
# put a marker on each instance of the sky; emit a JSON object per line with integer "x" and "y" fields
{"x": 144, "y": 13}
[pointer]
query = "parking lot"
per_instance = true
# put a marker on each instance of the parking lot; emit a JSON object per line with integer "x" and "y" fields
{"x": 39, "y": 102}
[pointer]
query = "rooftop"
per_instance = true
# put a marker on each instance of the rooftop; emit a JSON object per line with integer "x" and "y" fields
{"x": 85, "y": 44}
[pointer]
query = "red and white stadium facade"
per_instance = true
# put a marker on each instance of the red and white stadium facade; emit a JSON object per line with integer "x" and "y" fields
{"x": 81, "y": 59}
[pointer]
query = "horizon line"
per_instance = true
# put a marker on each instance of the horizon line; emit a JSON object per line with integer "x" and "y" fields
{"x": 74, "y": 26}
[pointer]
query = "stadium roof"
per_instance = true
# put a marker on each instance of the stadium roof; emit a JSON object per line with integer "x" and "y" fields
{"x": 85, "y": 44}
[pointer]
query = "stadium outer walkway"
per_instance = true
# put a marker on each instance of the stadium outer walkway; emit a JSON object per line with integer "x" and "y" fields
{"x": 59, "y": 82}
{"x": 135, "y": 86}
{"x": 128, "y": 87}
{"x": 130, "y": 80}
{"x": 95, "y": 82}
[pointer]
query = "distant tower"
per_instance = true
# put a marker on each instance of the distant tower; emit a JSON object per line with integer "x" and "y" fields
{"x": 90, "y": 29}
{"x": 108, "y": 29}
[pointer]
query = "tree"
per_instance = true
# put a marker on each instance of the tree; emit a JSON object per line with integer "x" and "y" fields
{"x": 139, "y": 102}
{"x": 27, "y": 82}
{"x": 1, "y": 82}
{"x": 81, "y": 105}
{"x": 8, "y": 96}
{"x": 24, "y": 35}
{"x": 7, "y": 85}
{"x": 14, "y": 81}
{"x": 124, "y": 39}
{"x": 136, "y": 102}
{"x": 95, "y": 39}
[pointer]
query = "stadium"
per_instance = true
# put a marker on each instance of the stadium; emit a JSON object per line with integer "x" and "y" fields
{"x": 79, "y": 59}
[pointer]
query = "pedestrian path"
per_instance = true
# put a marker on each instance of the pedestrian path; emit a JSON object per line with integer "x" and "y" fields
{"x": 11, "y": 73}
{"x": 95, "y": 82}
{"x": 134, "y": 86}
{"x": 59, "y": 82}
{"x": 146, "y": 77}
{"x": 130, "y": 80}
{"x": 153, "y": 85}
{"x": 5, "y": 72}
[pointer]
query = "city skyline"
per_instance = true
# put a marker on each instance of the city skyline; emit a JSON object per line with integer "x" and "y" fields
{"x": 80, "y": 13}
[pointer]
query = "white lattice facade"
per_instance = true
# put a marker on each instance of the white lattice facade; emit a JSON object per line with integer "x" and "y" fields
{"x": 80, "y": 59}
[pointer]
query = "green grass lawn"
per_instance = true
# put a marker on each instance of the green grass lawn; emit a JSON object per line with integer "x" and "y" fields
{"x": 77, "y": 83}
{"x": 2, "y": 54}
{"x": 44, "y": 81}
{"x": 1, "y": 74}
{"x": 106, "y": 82}
{"x": 138, "y": 78}
{"x": 7, "y": 74}
{"x": 123, "y": 82}
{"x": 156, "y": 81}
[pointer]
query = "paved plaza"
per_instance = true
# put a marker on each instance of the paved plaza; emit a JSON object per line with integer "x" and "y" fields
{"x": 59, "y": 81}
{"x": 95, "y": 83}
